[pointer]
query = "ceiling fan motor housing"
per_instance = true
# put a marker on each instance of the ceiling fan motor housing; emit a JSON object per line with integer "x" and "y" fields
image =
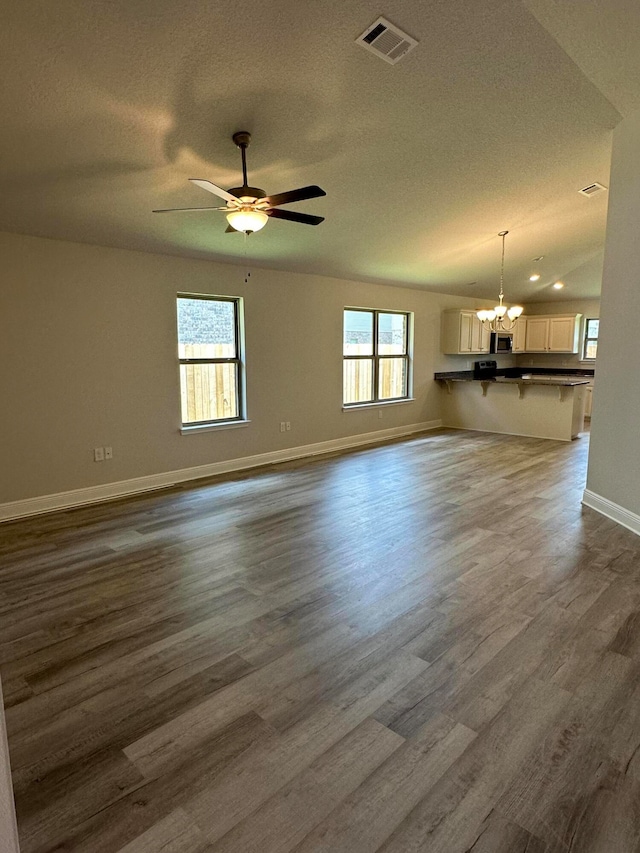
{"x": 248, "y": 192}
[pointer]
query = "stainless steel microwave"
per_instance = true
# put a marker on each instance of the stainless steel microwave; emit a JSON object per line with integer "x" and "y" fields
{"x": 501, "y": 342}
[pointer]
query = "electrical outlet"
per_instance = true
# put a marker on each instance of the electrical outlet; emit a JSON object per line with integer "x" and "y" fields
{"x": 98, "y": 454}
{"x": 108, "y": 453}
{"x": 283, "y": 426}
{"x": 288, "y": 425}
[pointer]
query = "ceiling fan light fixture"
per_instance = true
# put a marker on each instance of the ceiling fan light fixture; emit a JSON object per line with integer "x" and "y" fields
{"x": 247, "y": 220}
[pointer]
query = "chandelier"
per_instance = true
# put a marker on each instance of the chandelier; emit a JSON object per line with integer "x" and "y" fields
{"x": 500, "y": 318}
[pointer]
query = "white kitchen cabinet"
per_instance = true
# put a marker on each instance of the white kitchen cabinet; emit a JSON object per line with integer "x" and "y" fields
{"x": 466, "y": 327}
{"x": 463, "y": 333}
{"x": 553, "y": 333}
{"x": 480, "y": 336}
{"x": 588, "y": 400}
{"x": 537, "y": 334}
{"x": 519, "y": 334}
{"x": 562, "y": 334}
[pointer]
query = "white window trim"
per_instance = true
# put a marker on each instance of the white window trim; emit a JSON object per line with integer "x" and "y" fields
{"x": 354, "y": 407}
{"x": 583, "y": 341}
{"x": 409, "y": 356}
{"x": 186, "y": 429}
{"x": 189, "y": 430}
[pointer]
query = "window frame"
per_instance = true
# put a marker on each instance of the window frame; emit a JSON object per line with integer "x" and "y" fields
{"x": 238, "y": 324}
{"x": 375, "y": 358}
{"x": 586, "y": 340}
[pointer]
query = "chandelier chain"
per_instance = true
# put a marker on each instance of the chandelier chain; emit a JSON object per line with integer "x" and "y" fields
{"x": 501, "y": 319}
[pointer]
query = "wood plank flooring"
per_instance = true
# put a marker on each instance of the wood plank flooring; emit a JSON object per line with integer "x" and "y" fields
{"x": 424, "y": 646}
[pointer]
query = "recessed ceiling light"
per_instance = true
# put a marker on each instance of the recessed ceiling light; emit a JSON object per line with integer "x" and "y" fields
{"x": 558, "y": 285}
{"x": 534, "y": 277}
{"x": 535, "y": 260}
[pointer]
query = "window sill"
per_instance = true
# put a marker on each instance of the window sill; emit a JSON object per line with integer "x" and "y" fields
{"x": 357, "y": 406}
{"x": 189, "y": 430}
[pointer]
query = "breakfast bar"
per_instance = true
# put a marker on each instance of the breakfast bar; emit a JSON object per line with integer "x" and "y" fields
{"x": 540, "y": 406}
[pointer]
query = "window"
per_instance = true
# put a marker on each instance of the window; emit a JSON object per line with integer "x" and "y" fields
{"x": 210, "y": 359}
{"x": 591, "y": 329}
{"x": 375, "y": 356}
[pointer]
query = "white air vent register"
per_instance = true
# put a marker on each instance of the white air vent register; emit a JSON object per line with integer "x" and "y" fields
{"x": 386, "y": 41}
{"x": 592, "y": 189}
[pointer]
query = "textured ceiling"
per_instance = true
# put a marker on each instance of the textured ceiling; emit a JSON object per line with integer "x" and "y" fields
{"x": 108, "y": 107}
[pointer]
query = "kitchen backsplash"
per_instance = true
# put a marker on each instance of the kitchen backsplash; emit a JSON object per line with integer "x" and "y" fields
{"x": 561, "y": 359}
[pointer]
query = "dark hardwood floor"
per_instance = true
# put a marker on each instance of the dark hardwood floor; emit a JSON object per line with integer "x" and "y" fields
{"x": 424, "y": 646}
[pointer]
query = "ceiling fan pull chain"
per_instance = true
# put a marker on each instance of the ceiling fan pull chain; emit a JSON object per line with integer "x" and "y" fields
{"x": 247, "y": 275}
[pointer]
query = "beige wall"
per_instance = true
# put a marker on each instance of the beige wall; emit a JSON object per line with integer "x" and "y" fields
{"x": 8, "y": 831}
{"x": 89, "y": 359}
{"x": 614, "y": 461}
{"x": 589, "y": 308}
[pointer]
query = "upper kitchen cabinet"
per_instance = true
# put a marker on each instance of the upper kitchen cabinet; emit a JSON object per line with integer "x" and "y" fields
{"x": 556, "y": 333}
{"x": 463, "y": 333}
{"x": 537, "y": 334}
{"x": 520, "y": 334}
{"x": 564, "y": 333}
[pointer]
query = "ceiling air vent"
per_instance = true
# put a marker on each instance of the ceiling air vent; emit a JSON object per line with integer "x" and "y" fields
{"x": 386, "y": 41}
{"x": 592, "y": 189}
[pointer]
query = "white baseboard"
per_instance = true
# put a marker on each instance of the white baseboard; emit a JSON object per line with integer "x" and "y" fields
{"x": 612, "y": 510}
{"x": 109, "y": 491}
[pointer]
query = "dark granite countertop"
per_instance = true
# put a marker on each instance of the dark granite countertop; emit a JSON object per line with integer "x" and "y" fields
{"x": 516, "y": 373}
{"x": 460, "y": 375}
{"x": 546, "y": 379}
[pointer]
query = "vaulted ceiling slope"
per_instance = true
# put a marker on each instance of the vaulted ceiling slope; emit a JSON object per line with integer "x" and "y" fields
{"x": 109, "y": 106}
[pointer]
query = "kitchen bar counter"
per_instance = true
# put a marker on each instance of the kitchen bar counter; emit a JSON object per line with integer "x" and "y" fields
{"x": 520, "y": 372}
{"x": 544, "y": 380}
{"x": 567, "y": 381}
{"x": 545, "y": 405}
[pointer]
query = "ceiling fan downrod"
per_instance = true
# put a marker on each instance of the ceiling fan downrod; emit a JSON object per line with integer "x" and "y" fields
{"x": 243, "y": 139}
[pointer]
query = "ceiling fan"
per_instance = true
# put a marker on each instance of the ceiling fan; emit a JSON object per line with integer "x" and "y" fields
{"x": 249, "y": 208}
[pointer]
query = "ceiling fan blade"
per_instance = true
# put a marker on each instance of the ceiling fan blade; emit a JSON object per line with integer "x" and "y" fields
{"x": 212, "y": 188}
{"x": 292, "y": 216}
{"x": 294, "y": 195}
{"x": 183, "y": 209}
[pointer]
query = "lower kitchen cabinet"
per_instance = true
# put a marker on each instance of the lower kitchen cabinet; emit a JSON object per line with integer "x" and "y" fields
{"x": 588, "y": 400}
